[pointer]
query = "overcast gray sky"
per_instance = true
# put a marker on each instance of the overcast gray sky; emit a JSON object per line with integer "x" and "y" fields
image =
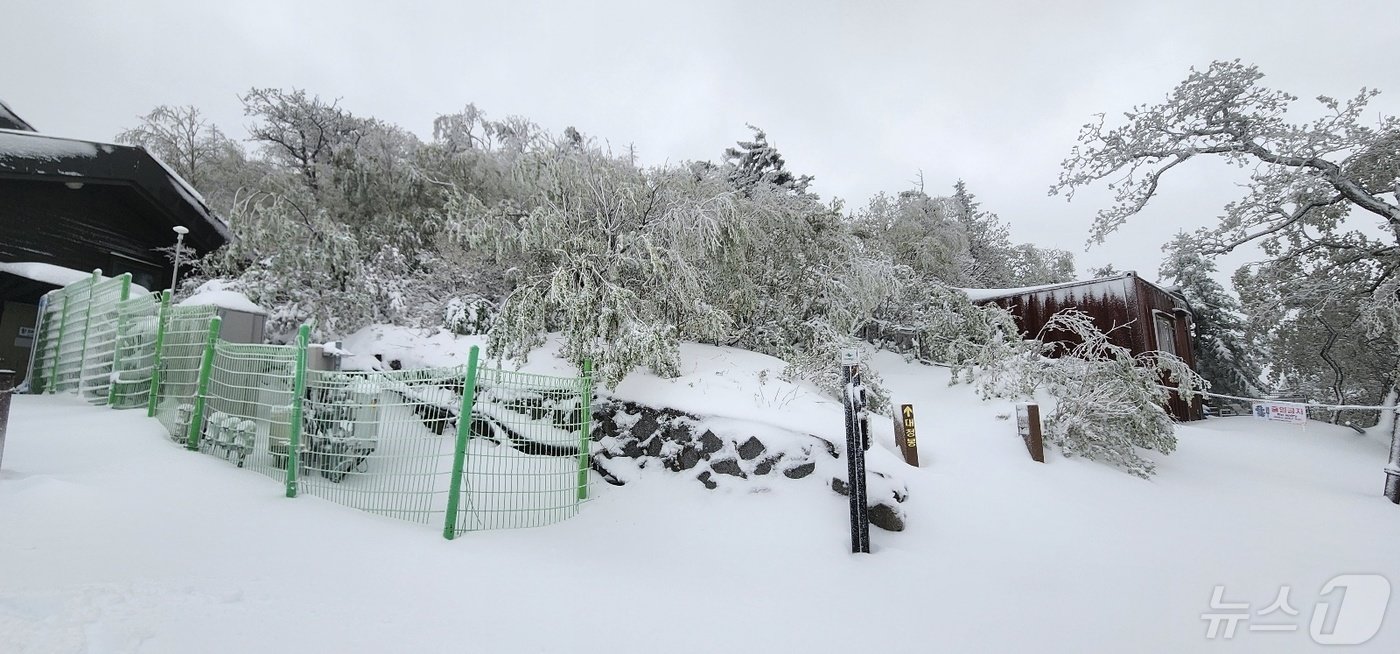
{"x": 863, "y": 95}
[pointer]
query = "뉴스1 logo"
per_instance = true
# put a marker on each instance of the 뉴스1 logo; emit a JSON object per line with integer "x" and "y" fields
{"x": 1350, "y": 611}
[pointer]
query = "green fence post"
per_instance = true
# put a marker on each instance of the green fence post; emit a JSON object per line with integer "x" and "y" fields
{"x": 117, "y": 342}
{"x": 154, "y": 397}
{"x": 294, "y": 429}
{"x": 87, "y": 323}
{"x": 52, "y": 383}
{"x": 459, "y": 455}
{"x": 585, "y": 424}
{"x": 197, "y": 416}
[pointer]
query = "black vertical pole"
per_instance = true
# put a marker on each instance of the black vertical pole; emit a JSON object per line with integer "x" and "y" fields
{"x": 7, "y": 382}
{"x": 852, "y": 395}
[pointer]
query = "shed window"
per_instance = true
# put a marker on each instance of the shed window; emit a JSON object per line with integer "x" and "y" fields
{"x": 1166, "y": 332}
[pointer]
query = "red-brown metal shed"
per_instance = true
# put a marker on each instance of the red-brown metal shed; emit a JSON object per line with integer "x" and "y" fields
{"x": 1135, "y": 313}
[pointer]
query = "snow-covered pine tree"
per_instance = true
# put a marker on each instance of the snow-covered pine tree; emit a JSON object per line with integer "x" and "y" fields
{"x": 754, "y": 163}
{"x": 1224, "y": 356}
{"x": 993, "y": 260}
{"x": 988, "y": 241}
{"x": 1106, "y": 270}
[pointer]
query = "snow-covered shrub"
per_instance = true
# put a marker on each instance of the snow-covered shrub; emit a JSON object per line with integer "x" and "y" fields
{"x": 931, "y": 322}
{"x": 1108, "y": 402}
{"x": 469, "y": 315}
{"x": 605, "y": 254}
{"x": 302, "y": 267}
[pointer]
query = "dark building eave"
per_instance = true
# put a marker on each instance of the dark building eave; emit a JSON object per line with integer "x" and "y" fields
{"x": 32, "y": 156}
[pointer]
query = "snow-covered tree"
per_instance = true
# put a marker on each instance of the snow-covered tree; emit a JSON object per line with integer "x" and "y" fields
{"x": 1106, "y": 270}
{"x": 1224, "y": 356}
{"x": 1313, "y": 329}
{"x": 1032, "y": 265}
{"x": 300, "y": 264}
{"x": 300, "y": 131}
{"x": 604, "y": 255}
{"x": 183, "y": 139}
{"x": 988, "y": 241}
{"x": 1312, "y": 188}
{"x": 197, "y": 150}
{"x": 937, "y": 324}
{"x": 1108, "y": 403}
{"x": 992, "y": 260}
{"x": 757, "y": 162}
{"x": 919, "y": 232}
{"x": 1316, "y": 191}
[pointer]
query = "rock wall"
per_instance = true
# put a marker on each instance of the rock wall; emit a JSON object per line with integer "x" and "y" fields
{"x": 720, "y": 452}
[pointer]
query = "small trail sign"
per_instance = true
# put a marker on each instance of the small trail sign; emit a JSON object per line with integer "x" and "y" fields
{"x": 906, "y": 436}
{"x": 850, "y": 357}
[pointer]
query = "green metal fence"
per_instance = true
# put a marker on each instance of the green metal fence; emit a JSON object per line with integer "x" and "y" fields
{"x": 247, "y": 412}
{"x": 134, "y": 352}
{"x": 382, "y": 442}
{"x": 387, "y": 442}
{"x": 76, "y": 342}
{"x": 183, "y": 336}
{"x": 95, "y": 366}
{"x": 391, "y": 443}
{"x": 527, "y": 450}
{"x": 46, "y": 343}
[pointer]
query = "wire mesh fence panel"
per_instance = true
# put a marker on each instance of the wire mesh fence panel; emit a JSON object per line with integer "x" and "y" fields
{"x": 247, "y": 415}
{"x": 526, "y": 461}
{"x": 134, "y": 352}
{"x": 72, "y": 330}
{"x": 382, "y": 442}
{"x": 46, "y": 344}
{"x": 100, "y": 338}
{"x": 185, "y": 332}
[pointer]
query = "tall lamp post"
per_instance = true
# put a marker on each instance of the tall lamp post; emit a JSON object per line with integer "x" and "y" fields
{"x": 180, "y": 231}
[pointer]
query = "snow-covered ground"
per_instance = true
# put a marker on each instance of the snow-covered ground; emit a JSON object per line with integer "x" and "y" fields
{"x": 114, "y": 540}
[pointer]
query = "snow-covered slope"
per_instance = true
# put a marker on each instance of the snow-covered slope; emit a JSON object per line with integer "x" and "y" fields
{"x": 114, "y": 540}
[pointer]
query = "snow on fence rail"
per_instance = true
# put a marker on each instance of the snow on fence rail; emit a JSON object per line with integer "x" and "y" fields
{"x": 389, "y": 443}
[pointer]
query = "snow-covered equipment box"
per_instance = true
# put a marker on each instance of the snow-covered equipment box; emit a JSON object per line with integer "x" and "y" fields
{"x": 241, "y": 319}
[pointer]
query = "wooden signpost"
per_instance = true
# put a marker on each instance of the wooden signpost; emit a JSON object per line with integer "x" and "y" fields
{"x": 904, "y": 433}
{"x": 1028, "y": 425}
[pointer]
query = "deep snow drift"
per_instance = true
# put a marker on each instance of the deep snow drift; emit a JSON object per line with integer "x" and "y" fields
{"x": 114, "y": 540}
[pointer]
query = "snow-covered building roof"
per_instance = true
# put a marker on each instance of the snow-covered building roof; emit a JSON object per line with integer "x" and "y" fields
{"x": 86, "y": 205}
{"x": 30, "y": 155}
{"x": 10, "y": 120}
{"x": 45, "y": 273}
